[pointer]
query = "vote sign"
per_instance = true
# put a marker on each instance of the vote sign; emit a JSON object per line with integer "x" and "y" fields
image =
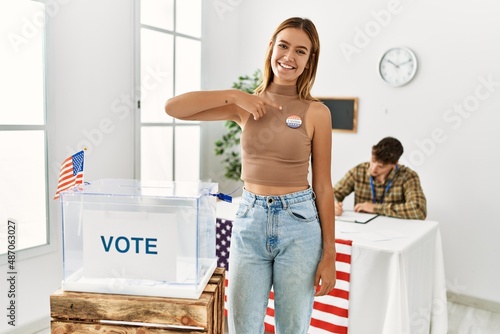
{"x": 129, "y": 245}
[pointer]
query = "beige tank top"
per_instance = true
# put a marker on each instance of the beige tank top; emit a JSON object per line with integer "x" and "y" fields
{"x": 275, "y": 149}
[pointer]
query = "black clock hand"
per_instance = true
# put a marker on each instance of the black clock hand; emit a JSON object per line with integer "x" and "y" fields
{"x": 390, "y": 61}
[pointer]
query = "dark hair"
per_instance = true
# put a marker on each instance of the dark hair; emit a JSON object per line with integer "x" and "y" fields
{"x": 306, "y": 79}
{"x": 387, "y": 151}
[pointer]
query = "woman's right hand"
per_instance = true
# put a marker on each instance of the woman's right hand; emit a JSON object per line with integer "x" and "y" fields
{"x": 255, "y": 105}
{"x": 215, "y": 105}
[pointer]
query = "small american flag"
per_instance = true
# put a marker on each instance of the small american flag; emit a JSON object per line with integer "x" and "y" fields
{"x": 330, "y": 313}
{"x": 71, "y": 173}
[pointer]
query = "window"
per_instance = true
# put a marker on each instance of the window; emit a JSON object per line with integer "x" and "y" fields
{"x": 169, "y": 33}
{"x": 23, "y": 162}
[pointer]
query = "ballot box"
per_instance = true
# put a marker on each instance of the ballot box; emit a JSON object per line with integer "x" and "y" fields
{"x": 134, "y": 237}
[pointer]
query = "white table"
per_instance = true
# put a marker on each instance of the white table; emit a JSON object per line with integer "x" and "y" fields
{"x": 397, "y": 275}
{"x": 397, "y": 284}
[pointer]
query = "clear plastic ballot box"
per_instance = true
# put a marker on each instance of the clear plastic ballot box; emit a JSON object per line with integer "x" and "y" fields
{"x": 135, "y": 237}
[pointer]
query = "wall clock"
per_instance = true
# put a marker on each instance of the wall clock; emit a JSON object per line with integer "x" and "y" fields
{"x": 398, "y": 66}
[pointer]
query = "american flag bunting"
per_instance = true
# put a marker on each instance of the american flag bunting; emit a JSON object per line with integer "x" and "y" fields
{"x": 330, "y": 313}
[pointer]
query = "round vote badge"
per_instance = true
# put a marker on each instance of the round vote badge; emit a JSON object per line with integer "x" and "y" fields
{"x": 293, "y": 121}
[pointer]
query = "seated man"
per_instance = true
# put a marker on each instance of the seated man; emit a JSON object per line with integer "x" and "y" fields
{"x": 383, "y": 186}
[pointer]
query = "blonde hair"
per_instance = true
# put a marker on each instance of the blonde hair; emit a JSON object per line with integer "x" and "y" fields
{"x": 306, "y": 79}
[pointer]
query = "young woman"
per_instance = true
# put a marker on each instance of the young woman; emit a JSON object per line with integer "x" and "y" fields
{"x": 283, "y": 235}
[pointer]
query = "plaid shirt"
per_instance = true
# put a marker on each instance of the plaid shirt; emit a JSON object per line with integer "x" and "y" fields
{"x": 404, "y": 199}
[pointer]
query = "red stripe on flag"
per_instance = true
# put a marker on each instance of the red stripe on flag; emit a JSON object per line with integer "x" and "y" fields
{"x": 69, "y": 181}
{"x": 225, "y": 297}
{"x": 343, "y": 276}
{"x": 270, "y": 312}
{"x": 332, "y": 309}
{"x": 346, "y": 258}
{"x": 328, "y": 326}
{"x": 271, "y": 295}
{"x": 343, "y": 241}
{"x": 268, "y": 328}
{"x": 339, "y": 293}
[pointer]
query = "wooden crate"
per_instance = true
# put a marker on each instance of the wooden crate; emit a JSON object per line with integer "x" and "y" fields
{"x": 82, "y": 312}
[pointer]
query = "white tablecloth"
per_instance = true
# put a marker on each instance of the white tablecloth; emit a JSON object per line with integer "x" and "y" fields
{"x": 397, "y": 275}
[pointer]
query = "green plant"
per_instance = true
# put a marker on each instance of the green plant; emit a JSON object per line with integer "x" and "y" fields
{"x": 228, "y": 145}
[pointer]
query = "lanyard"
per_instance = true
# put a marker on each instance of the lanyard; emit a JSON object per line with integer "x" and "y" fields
{"x": 374, "y": 195}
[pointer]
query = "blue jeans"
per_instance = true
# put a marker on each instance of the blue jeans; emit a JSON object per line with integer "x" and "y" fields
{"x": 276, "y": 241}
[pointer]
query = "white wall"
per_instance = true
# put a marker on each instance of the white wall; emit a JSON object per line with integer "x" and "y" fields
{"x": 90, "y": 67}
{"x": 456, "y": 43}
{"x": 219, "y": 68}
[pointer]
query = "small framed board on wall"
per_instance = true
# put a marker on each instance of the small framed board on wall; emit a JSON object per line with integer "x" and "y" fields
{"x": 344, "y": 111}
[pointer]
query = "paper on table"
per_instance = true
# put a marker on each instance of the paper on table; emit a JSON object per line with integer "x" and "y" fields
{"x": 356, "y": 217}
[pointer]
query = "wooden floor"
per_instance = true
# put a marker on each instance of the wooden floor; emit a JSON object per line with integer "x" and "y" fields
{"x": 462, "y": 320}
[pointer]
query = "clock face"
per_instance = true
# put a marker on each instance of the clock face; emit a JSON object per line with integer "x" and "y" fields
{"x": 398, "y": 66}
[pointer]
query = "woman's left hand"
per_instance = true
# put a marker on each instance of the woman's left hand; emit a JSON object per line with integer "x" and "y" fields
{"x": 326, "y": 274}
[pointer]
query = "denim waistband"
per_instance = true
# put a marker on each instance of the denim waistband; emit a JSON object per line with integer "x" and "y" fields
{"x": 279, "y": 201}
